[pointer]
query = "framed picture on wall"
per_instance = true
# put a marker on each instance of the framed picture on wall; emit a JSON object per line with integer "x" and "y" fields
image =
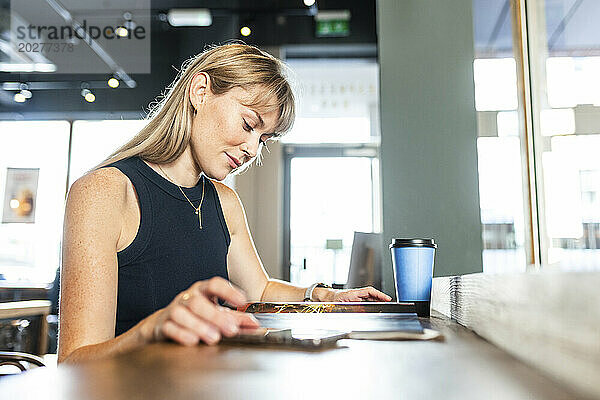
{"x": 20, "y": 195}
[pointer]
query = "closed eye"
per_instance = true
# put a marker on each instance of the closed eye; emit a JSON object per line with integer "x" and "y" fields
{"x": 247, "y": 126}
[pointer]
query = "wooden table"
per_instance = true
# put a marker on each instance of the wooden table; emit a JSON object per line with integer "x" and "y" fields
{"x": 464, "y": 366}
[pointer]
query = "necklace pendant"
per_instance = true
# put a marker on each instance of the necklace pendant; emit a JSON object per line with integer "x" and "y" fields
{"x": 200, "y": 219}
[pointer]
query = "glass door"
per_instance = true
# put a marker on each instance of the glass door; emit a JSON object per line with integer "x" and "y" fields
{"x": 330, "y": 197}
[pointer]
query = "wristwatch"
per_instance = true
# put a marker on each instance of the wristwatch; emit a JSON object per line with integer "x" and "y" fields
{"x": 309, "y": 290}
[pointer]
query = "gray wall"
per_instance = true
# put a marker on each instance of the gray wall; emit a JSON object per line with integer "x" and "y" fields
{"x": 428, "y": 125}
{"x": 261, "y": 190}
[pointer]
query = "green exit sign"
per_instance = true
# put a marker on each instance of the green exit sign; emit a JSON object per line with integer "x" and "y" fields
{"x": 330, "y": 23}
{"x": 334, "y": 244}
{"x": 333, "y": 28}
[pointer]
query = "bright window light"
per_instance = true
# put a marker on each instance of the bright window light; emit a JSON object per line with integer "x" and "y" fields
{"x": 345, "y": 188}
{"x": 495, "y": 84}
{"x": 30, "y": 251}
{"x": 93, "y": 141}
{"x": 508, "y": 123}
{"x": 500, "y": 189}
{"x": 329, "y": 130}
{"x": 572, "y": 81}
{"x": 557, "y": 121}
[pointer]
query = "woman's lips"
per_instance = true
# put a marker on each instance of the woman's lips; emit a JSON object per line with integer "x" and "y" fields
{"x": 233, "y": 162}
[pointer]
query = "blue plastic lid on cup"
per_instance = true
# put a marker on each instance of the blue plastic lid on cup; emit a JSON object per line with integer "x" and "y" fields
{"x": 399, "y": 242}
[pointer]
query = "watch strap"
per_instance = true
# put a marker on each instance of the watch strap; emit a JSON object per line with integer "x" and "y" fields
{"x": 309, "y": 290}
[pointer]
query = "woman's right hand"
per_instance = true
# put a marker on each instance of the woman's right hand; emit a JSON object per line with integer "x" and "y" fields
{"x": 195, "y": 316}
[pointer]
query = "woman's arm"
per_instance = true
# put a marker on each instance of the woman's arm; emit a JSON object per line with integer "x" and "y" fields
{"x": 246, "y": 270}
{"x": 88, "y": 297}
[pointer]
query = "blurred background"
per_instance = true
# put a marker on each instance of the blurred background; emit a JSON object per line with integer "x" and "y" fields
{"x": 511, "y": 108}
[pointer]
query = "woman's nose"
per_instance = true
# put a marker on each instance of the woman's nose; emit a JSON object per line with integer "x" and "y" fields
{"x": 252, "y": 145}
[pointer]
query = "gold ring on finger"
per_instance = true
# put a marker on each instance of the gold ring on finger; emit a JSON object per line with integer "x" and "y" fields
{"x": 185, "y": 297}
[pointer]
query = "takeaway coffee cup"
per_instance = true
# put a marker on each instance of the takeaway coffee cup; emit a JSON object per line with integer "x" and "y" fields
{"x": 413, "y": 269}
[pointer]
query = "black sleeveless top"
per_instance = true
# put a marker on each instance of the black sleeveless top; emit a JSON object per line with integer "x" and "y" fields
{"x": 170, "y": 252}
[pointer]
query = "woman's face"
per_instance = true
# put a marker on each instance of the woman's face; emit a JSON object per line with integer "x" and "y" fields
{"x": 225, "y": 133}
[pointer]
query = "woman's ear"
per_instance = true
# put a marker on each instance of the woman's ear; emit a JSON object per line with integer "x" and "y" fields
{"x": 199, "y": 89}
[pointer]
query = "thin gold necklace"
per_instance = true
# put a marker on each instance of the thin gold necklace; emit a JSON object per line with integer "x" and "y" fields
{"x": 197, "y": 210}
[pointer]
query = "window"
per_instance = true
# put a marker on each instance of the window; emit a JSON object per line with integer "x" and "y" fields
{"x": 31, "y": 251}
{"x": 93, "y": 141}
{"x": 331, "y": 168}
{"x": 500, "y": 145}
{"x": 324, "y": 192}
{"x": 566, "y": 105}
{"x": 547, "y": 141}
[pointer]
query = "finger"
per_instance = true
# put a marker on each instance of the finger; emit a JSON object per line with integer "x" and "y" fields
{"x": 372, "y": 294}
{"x": 223, "y": 289}
{"x": 204, "y": 330}
{"x": 376, "y": 294}
{"x": 245, "y": 320}
{"x": 218, "y": 316}
{"x": 366, "y": 296}
{"x": 174, "y": 331}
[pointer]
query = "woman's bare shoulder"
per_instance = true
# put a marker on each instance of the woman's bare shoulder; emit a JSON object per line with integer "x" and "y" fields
{"x": 226, "y": 194}
{"x": 231, "y": 205}
{"x": 100, "y": 187}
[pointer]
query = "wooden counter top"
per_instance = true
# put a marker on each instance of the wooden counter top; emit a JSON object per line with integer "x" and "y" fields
{"x": 464, "y": 366}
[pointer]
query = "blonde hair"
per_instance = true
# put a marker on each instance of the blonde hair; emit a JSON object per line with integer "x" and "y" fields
{"x": 169, "y": 127}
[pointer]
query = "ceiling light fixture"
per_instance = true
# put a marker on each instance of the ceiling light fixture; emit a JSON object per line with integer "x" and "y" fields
{"x": 27, "y": 67}
{"x": 90, "y": 97}
{"x": 19, "y": 98}
{"x": 113, "y": 82}
{"x": 189, "y": 17}
{"x": 122, "y": 31}
{"x": 23, "y": 93}
{"x": 309, "y": 3}
{"x": 86, "y": 93}
{"x": 245, "y": 31}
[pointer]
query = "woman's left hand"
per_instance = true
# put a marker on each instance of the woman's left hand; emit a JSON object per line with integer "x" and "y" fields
{"x": 361, "y": 294}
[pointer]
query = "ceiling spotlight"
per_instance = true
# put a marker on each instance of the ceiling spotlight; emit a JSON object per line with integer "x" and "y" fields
{"x": 88, "y": 95}
{"x": 24, "y": 92}
{"x": 19, "y": 97}
{"x": 113, "y": 82}
{"x": 309, "y": 3}
{"x": 245, "y": 31}
{"x": 122, "y": 31}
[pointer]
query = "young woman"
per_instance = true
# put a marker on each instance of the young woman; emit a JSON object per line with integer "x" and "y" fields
{"x": 152, "y": 239}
